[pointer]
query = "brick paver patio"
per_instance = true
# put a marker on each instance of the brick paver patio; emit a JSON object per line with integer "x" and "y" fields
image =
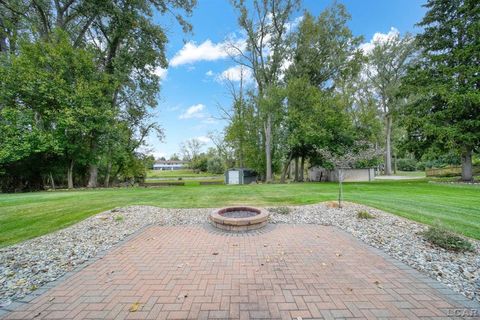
{"x": 283, "y": 272}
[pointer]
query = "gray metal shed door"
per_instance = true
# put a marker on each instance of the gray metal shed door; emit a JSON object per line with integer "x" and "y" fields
{"x": 233, "y": 177}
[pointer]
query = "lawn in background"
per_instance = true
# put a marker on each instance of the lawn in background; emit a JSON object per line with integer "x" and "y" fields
{"x": 27, "y": 215}
{"x": 416, "y": 174}
{"x": 184, "y": 173}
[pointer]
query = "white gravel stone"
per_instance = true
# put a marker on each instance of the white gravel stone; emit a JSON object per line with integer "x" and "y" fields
{"x": 26, "y": 266}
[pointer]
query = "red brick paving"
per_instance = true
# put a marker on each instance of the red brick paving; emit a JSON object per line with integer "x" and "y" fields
{"x": 283, "y": 273}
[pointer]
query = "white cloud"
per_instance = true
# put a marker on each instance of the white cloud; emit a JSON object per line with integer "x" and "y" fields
{"x": 206, "y": 51}
{"x": 209, "y": 73}
{"x": 203, "y": 139}
{"x": 191, "y": 52}
{"x": 210, "y": 120}
{"x": 292, "y": 25}
{"x": 160, "y": 72}
{"x": 194, "y": 111}
{"x": 235, "y": 74}
{"x": 379, "y": 38}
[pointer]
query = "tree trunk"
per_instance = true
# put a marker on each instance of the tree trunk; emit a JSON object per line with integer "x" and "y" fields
{"x": 52, "y": 181}
{"x": 388, "y": 145}
{"x": 268, "y": 148}
{"x": 395, "y": 164}
{"x": 296, "y": 169}
{"x": 107, "y": 175}
{"x": 467, "y": 168}
{"x": 286, "y": 167}
{"x": 70, "y": 175}
{"x": 3, "y": 39}
{"x": 240, "y": 152}
{"x": 93, "y": 176}
{"x": 302, "y": 168}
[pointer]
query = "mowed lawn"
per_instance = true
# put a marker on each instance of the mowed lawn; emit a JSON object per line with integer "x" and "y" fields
{"x": 27, "y": 215}
{"x": 184, "y": 173}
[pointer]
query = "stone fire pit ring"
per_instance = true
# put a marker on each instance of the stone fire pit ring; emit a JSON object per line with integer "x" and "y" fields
{"x": 239, "y": 219}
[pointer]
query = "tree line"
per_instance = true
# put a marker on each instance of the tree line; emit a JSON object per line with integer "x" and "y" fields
{"x": 78, "y": 79}
{"x": 315, "y": 87}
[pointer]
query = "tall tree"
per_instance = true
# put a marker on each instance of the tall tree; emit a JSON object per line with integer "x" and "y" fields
{"x": 51, "y": 100}
{"x": 266, "y": 25}
{"x": 126, "y": 48}
{"x": 387, "y": 65}
{"x": 190, "y": 149}
{"x": 445, "y": 113}
{"x": 237, "y": 116}
{"x": 325, "y": 56}
{"x": 325, "y": 50}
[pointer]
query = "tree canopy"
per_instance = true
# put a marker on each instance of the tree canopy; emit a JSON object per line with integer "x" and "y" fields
{"x": 78, "y": 83}
{"x": 444, "y": 113}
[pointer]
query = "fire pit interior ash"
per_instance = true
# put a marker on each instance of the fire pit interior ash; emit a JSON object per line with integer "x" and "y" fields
{"x": 238, "y": 214}
{"x": 239, "y": 219}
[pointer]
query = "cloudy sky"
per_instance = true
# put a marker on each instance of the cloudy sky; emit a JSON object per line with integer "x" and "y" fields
{"x": 192, "y": 89}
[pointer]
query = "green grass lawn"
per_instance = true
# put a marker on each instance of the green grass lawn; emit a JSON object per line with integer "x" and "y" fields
{"x": 416, "y": 174}
{"x": 186, "y": 181}
{"x": 184, "y": 173}
{"x": 27, "y": 215}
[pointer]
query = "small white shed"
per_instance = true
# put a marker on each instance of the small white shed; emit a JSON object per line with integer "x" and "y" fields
{"x": 349, "y": 175}
{"x": 240, "y": 176}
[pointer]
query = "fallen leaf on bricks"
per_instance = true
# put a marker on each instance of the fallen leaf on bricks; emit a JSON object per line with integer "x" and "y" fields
{"x": 377, "y": 283}
{"x": 134, "y": 307}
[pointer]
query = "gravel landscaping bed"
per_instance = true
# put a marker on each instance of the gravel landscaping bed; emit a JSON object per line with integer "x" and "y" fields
{"x": 29, "y": 265}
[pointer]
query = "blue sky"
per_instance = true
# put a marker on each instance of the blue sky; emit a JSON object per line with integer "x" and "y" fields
{"x": 191, "y": 92}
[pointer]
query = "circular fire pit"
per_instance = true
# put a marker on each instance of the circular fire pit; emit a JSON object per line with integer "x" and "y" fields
{"x": 239, "y": 219}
